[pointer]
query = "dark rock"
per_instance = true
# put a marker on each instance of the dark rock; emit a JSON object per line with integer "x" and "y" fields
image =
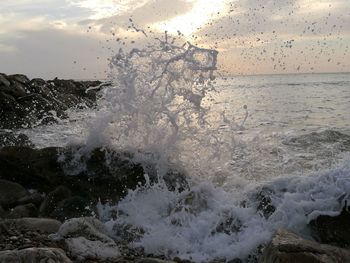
{"x": 333, "y": 230}
{"x": 32, "y": 168}
{"x": 23, "y": 79}
{"x": 24, "y": 102}
{"x": 34, "y": 198}
{"x": 4, "y": 81}
{"x": 12, "y": 139}
{"x": 73, "y": 207}
{"x": 52, "y": 200}
{"x": 10, "y": 193}
{"x": 153, "y": 260}
{"x": 2, "y": 212}
{"x": 265, "y": 206}
{"x": 12, "y": 114}
{"x": 287, "y": 247}
{"x": 99, "y": 174}
{"x": 28, "y": 210}
{"x": 17, "y": 89}
{"x": 29, "y": 255}
{"x": 41, "y": 225}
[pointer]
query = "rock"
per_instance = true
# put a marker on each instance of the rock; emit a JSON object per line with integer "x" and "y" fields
{"x": 19, "y": 78}
{"x": 287, "y": 247}
{"x": 52, "y": 200}
{"x": 41, "y": 225}
{"x": 153, "y": 260}
{"x": 333, "y": 230}
{"x": 4, "y": 81}
{"x": 10, "y": 192}
{"x": 17, "y": 89}
{"x": 32, "y": 168}
{"x": 34, "y": 198}
{"x": 28, "y": 210}
{"x": 24, "y": 102}
{"x": 72, "y": 207}
{"x": 83, "y": 248}
{"x": 100, "y": 174}
{"x": 86, "y": 238}
{"x": 2, "y": 212}
{"x": 30, "y": 255}
{"x": 265, "y": 206}
{"x": 11, "y": 139}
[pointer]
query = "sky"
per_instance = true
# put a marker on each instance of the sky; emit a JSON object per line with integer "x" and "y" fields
{"x": 75, "y": 38}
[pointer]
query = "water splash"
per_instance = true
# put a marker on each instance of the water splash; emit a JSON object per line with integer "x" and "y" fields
{"x": 159, "y": 101}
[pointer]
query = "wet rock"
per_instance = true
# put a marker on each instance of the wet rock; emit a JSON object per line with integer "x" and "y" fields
{"x": 99, "y": 174}
{"x": 72, "y": 207}
{"x": 265, "y": 206}
{"x": 26, "y": 103}
{"x": 41, "y": 225}
{"x": 28, "y": 210}
{"x": 287, "y": 247}
{"x": 17, "y": 90}
{"x": 30, "y": 255}
{"x": 2, "y": 212}
{"x": 34, "y": 198}
{"x": 10, "y": 192}
{"x": 11, "y": 139}
{"x": 153, "y": 260}
{"x": 23, "y": 79}
{"x": 52, "y": 200}
{"x": 87, "y": 238}
{"x": 333, "y": 230}
{"x": 4, "y": 81}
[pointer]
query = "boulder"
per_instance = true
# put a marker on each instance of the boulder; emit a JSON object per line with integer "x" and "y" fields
{"x": 153, "y": 260}
{"x": 10, "y": 193}
{"x": 19, "y": 78}
{"x": 333, "y": 230}
{"x": 99, "y": 174}
{"x": 33, "y": 198}
{"x": 72, "y": 207}
{"x": 27, "y": 210}
{"x": 32, "y": 168}
{"x": 30, "y": 255}
{"x": 4, "y": 81}
{"x": 86, "y": 238}
{"x": 287, "y": 247}
{"x": 41, "y": 225}
{"x": 52, "y": 200}
{"x": 12, "y": 139}
{"x": 17, "y": 90}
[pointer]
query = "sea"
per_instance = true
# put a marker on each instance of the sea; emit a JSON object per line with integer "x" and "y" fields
{"x": 260, "y": 152}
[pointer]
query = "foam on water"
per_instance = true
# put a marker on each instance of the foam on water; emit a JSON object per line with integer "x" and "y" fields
{"x": 206, "y": 222}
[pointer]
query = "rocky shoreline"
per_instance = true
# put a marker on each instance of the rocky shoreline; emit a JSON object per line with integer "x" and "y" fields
{"x": 26, "y": 103}
{"x": 46, "y": 214}
{"x": 48, "y": 196}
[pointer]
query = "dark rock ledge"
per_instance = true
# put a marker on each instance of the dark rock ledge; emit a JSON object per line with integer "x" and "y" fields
{"x": 26, "y": 103}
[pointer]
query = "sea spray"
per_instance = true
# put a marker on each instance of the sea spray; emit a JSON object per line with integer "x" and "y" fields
{"x": 206, "y": 223}
{"x": 159, "y": 102}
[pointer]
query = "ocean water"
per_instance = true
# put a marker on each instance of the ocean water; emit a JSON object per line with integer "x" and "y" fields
{"x": 284, "y": 139}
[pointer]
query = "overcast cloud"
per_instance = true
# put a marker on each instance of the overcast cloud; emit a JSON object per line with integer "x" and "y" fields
{"x": 74, "y": 38}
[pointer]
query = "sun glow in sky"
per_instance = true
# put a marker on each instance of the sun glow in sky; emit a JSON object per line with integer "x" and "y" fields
{"x": 252, "y": 36}
{"x": 201, "y": 13}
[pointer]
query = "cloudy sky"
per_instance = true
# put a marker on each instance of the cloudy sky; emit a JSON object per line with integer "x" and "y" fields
{"x": 75, "y": 38}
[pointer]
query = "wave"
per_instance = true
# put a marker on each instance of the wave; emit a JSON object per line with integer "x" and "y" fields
{"x": 208, "y": 223}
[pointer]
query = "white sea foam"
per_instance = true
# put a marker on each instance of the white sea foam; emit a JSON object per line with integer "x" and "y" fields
{"x": 206, "y": 222}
